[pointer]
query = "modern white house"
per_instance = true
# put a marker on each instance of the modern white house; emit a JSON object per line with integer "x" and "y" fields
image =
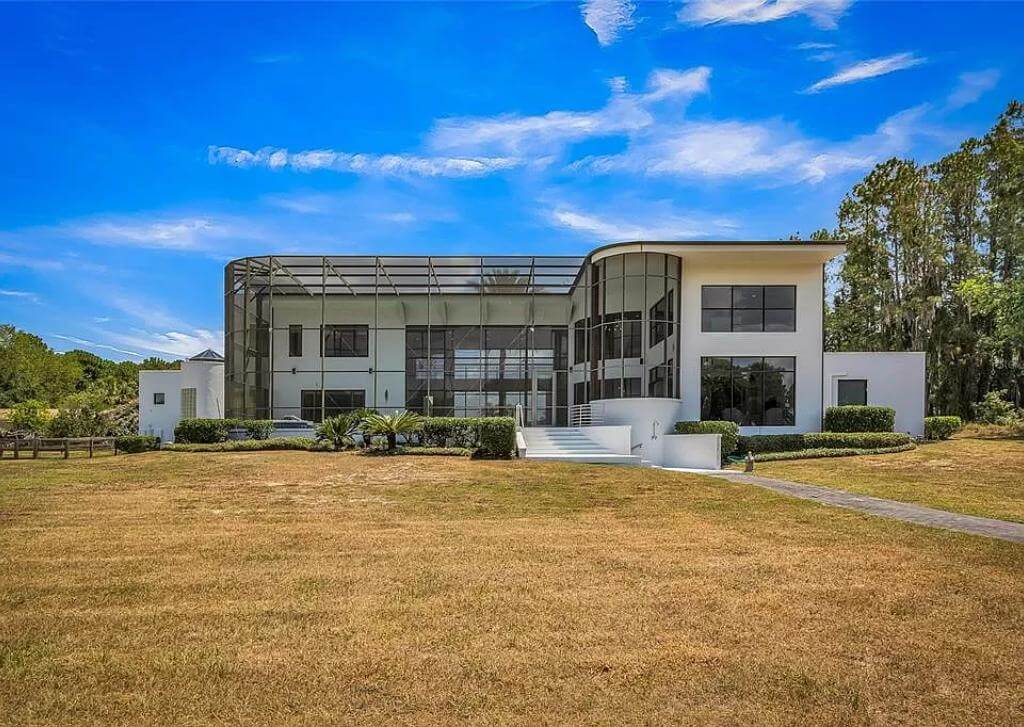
{"x": 638, "y": 334}
{"x": 194, "y": 390}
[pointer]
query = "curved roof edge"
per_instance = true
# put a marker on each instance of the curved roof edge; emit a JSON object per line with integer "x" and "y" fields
{"x": 587, "y": 256}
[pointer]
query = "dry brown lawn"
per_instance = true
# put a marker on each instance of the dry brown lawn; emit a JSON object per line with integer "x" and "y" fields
{"x": 296, "y": 588}
{"x": 967, "y": 474}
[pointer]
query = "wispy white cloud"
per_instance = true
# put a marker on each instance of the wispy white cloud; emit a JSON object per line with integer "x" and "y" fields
{"x": 824, "y": 13}
{"x": 92, "y": 344}
{"x": 172, "y": 343}
{"x": 362, "y": 164}
{"x": 22, "y": 294}
{"x": 517, "y": 135}
{"x": 658, "y": 221}
{"x": 867, "y": 69}
{"x": 32, "y": 262}
{"x": 768, "y": 149}
{"x": 971, "y": 86}
{"x": 184, "y": 233}
{"x": 608, "y": 18}
{"x": 813, "y": 45}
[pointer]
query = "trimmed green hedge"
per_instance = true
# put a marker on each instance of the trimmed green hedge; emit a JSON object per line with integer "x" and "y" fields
{"x": 202, "y": 431}
{"x": 761, "y": 443}
{"x": 833, "y": 452}
{"x": 770, "y": 443}
{"x": 860, "y": 419}
{"x": 730, "y": 432}
{"x": 424, "y": 451}
{"x": 942, "y": 427}
{"x": 489, "y": 436}
{"x": 210, "y": 431}
{"x": 135, "y": 443}
{"x": 305, "y": 444}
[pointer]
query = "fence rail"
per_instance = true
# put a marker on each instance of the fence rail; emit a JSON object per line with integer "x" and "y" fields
{"x": 62, "y": 445}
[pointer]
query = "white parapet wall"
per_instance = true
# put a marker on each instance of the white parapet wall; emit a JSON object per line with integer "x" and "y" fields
{"x": 649, "y": 419}
{"x": 892, "y": 379}
{"x": 692, "y": 451}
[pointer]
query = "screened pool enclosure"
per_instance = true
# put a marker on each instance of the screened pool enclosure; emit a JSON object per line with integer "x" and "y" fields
{"x": 313, "y": 336}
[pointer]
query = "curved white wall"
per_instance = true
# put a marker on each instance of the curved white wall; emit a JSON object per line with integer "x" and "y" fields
{"x": 650, "y": 420}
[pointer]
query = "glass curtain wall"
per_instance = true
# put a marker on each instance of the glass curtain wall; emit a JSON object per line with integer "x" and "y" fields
{"x": 625, "y": 327}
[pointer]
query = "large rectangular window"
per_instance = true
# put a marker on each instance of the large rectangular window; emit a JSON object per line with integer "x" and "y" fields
{"x": 853, "y": 392}
{"x": 753, "y": 391}
{"x": 747, "y": 308}
{"x": 294, "y": 340}
{"x": 336, "y": 401}
{"x": 346, "y": 341}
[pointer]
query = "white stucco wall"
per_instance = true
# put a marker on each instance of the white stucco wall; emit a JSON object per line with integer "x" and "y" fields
{"x": 649, "y": 420}
{"x": 805, "y": 343}
{"x": 893, "y": 379}
{"x": 692, "y": 451}
{"x": 206, "y": 377}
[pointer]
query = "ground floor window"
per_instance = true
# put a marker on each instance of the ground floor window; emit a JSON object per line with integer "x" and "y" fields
{"x": 335, "y": 402}
{"x": 853, "y": 392}
{"x": 188, "y": 403}
{"x": 752, "y": 391}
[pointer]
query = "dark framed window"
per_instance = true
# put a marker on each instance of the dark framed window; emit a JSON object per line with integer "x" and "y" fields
{"x": 753, "y": 391}
{"x": 580, "y": 340}
{"x": 853, "y": 392}
{"x": 662, "y": 315}
{"x": 336, "y": 401}
{"x": 294, "y": 340}
{"x": 747, "y": 308}
{"x": 345, "y": 341}
{"x": 661, "y": 380}
{"x": 158, "y": 398}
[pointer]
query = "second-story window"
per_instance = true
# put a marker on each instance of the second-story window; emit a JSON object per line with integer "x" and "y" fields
{"x": 294, "y": 340}
{"x": 346, "y": 341}
{"x": 748, "y": 308}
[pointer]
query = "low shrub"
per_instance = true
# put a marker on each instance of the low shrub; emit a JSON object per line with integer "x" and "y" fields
{"x": 942, "y": 427}
{"x": 305, "y": 444}
{"x": 425, "y": 451}
{"x": 450, "y": 432}
{"x": 497, "y": 437}
{"x": 203, "y": 431}
{"x": 339, "y": 430}
{"x": 488, "y": 436}
{"x": 860, "y": 419}
{"x": 830, "y": 452}
{"x": 30, "y": 416}
{"x": 730, "y": 432}
{"x": 135, "y": 443}
{"x": 257, "y": 428}
{"x": 995, "y": 409}
{"x": 761, "y": 443}
{"x": 770, "y": 443}
{"x": 855, "y": 440}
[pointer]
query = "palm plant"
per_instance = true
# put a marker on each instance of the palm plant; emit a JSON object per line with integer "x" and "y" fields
{"x": 339, "y": 430}
{"x": 392, "y": 425}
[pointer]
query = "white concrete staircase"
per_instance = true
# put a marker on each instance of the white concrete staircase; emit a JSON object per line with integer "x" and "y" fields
{"x": 566, "y": 444}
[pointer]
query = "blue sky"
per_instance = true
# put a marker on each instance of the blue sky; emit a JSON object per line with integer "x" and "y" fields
{"x": 149, "y": 144}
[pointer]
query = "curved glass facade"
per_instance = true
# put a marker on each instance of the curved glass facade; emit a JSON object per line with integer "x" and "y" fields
{"x": 625, "y": 324}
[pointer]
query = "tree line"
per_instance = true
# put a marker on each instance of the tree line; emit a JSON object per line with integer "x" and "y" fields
{"x": 935, "y": 263}
{"x": 92, "y": 395}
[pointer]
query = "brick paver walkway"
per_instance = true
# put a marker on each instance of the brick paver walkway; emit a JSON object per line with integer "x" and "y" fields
{"x": 905, "y": 511}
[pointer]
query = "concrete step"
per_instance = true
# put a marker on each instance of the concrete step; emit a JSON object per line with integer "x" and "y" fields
{"x": 563, "y": 444}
